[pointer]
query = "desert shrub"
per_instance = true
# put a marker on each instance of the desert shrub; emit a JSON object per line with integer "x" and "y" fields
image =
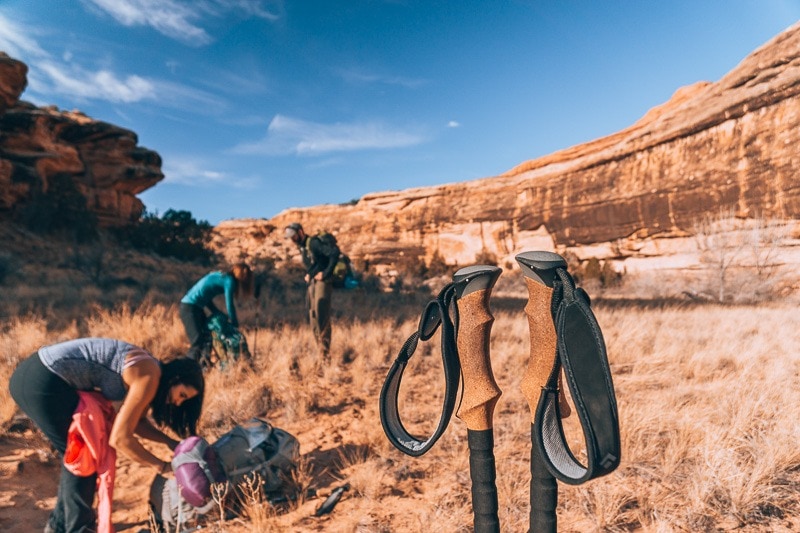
{"x": 485, "y": 257}
{"x": 370, "y": 283}
{"x": 176, "y": 234}
{"x": 437, "y": 266}
{"x": 61, "y": 210}
{"x": 742, "y": 256}
{"x": 591, "y": 269}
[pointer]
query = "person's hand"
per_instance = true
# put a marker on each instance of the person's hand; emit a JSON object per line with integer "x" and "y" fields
{"x": 307, "y": 278}
{"x": 318, "y": 277}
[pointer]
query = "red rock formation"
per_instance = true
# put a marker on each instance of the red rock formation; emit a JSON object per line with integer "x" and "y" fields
{"x": 37, "y": 144}
{"x": 730, "y": 144}
{"x": 13, "y": 79}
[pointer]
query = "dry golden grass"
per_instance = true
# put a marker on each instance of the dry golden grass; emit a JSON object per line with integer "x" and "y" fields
{"x": 708, "y": 400}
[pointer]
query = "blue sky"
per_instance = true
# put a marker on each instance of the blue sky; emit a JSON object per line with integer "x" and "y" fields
{"x": 258, "y": 106}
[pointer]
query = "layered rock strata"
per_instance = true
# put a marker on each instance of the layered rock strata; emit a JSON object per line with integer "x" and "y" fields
{"x": 730, "y": 145}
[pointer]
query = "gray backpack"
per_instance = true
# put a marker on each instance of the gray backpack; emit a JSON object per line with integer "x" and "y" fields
{"x": 258, "y": 447}
{"x": 253, "y": 447}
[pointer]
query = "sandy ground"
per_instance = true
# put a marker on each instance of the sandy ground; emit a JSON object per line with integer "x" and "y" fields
{"x": 29, "y": 474}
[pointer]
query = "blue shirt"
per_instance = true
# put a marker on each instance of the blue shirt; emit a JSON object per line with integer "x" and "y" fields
{"x": 213, "y": 284}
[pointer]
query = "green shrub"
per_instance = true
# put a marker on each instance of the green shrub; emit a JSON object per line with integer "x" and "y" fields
{"x": 176, "y": 234}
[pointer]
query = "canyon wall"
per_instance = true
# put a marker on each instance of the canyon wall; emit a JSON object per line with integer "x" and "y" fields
{"x": 634, "y": 197}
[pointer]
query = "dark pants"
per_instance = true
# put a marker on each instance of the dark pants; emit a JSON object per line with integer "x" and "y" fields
{"x": 319, "y": 314}
{"x": 50, "y": 402}
{"x": 196, "y": 325}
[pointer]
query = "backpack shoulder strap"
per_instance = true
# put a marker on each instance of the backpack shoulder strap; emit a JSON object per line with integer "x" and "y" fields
{"x": 582, "y": 353}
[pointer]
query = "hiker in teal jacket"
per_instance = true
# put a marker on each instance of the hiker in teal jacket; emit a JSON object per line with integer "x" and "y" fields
{"x": 234, "y": 284}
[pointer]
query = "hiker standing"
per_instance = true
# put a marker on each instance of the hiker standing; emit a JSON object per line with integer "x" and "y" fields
{"x": 320, "y": 254}
{"x": 235, "y": 284}
{"x": 67, "y": 388}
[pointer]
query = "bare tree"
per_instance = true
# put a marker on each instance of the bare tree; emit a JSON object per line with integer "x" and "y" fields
{"x": 720, "y": 243}
{"x": 747, "y": 247}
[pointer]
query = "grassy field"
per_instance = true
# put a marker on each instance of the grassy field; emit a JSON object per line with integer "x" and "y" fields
{"x": 708, "y": 400}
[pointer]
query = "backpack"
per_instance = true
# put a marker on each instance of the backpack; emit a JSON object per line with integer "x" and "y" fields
{"x": 169, "y": 511}
{"x": 180, "y": 501}
{"x": 258, "y": 447}
{"x": 343, "y": 276}
{"x": 196, "y": 468}
{"x": 228, "y": 342}
{"x": 253, "y": 447}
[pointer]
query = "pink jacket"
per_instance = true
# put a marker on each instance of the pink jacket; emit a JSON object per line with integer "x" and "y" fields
{"x": 88, "y": 450}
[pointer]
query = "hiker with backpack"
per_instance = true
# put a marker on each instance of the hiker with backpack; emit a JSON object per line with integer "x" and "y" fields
{"x": 66, "y": 389}
{"x": 235, "y": 284}
{"x": 320, "y": 255}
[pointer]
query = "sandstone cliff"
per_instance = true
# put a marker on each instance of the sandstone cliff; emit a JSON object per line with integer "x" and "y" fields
{"x": 37, "y": 144}
{"x": 635, "y": 194}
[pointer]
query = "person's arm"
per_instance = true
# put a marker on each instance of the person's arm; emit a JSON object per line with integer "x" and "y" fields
{"x": 230, "y": 290}
{"x": 313, "y": 253}
{"x": 142, "y": 380}
{"x": 148, "y": 431}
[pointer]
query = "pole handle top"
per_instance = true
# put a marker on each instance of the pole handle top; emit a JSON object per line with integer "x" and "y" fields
{"x": 540, "y": 266}
{"x": 475, "y": 278}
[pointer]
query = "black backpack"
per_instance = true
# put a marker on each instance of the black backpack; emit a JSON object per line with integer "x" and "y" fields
{"x": 343, "y": 275}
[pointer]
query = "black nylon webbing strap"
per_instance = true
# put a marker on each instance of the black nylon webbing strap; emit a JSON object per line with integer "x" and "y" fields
{"x": 436, "y": 313}
{"x": 582, "y": 354}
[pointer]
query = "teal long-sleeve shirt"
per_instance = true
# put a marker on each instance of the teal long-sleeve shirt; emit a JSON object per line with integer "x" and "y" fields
{"x": 213, "y": 284}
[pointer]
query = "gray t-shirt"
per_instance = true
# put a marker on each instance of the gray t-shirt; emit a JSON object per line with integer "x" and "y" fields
{"x": 93, "y": 364}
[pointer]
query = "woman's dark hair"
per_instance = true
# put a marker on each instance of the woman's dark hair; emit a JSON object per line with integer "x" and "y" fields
{"x": 180, "y": 419}
{"x": 244, "y": 279}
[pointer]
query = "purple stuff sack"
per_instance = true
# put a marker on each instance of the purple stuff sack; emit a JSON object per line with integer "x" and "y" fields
{"x": 196, "y": 468}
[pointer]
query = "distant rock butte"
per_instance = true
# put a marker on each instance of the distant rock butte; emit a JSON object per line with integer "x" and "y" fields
{"x": 37, "y": 144}
{"x": 633, "y": 195}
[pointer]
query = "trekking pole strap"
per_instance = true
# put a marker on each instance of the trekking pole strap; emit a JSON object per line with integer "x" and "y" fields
{"x": 582, "y": 354}
{"x": 436, "y": 313}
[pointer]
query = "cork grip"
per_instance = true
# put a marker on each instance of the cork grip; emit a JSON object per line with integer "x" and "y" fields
{"x": 543, "y": 342}
{"x": 543, "y": 348}
{"x": 480, "y": 388}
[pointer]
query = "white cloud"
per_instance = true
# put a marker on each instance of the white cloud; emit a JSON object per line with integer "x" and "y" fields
{"x": 99, "y": 85}
{"x": 287, "y": 135}
{"x": 15, "y": 40}
{"x": 194, "y": 171}
{"x": 189, "y": 172}
{"x": 453, "y": 124}
{"x": 180, "y": 20}
{"x": 266, "y": 9}
{"x": 168, "y": 17}
{"x": 357, "y": 76}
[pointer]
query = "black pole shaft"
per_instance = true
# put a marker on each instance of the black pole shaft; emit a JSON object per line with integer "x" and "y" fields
{"x": 482, "y": 472}
{"x": 544, "y": 493}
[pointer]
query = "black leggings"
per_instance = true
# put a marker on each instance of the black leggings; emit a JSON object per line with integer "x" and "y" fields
{"x": 195, "y": 323}
{"x": 50, "y": 402}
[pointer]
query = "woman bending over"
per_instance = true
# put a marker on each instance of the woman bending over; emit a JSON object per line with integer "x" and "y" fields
{"x": 46, "y": 386}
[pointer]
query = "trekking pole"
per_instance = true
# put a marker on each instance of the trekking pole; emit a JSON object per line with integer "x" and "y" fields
{"x": 465, "y": 348}
{"x": 480, "y": 391}
{"x": 538, "y": 273}
{"x": 564, "y": 333}
{"x": 255, "y": 335}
